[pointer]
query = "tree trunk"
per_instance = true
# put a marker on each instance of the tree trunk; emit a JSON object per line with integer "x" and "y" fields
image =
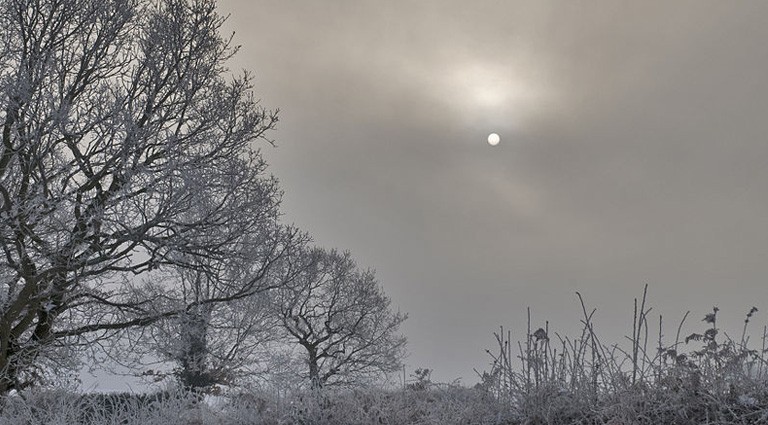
{"x": 314, "y": 370}
{"x": 193, "y": 356}
{"x": 7, "y": 372}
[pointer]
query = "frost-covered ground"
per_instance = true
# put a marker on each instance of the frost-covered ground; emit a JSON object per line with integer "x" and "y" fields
{"x": 434, "y": 405}
{"x": 705, "y": 377}
{"x": 369, "y": 406}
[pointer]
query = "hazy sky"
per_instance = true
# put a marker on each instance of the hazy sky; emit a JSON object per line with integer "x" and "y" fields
{"x": 634, "y": 150}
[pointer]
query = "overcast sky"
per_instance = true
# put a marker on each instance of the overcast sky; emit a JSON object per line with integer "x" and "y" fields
{"x": 633, "y": 150}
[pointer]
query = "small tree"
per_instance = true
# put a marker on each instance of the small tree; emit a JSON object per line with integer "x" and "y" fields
{"x": 215, "y": 344}
{"x": 225, "y": 330}
{"x": 342, "y": 319}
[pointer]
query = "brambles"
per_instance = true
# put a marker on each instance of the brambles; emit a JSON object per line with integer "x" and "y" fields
{"x": 706, "y": 378}
{"x": 421, "y": 379}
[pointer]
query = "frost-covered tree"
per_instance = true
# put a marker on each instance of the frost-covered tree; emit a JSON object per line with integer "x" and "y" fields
{"x": 226, "y": 331}
{"x": 341, "y": 318}
{"x": 117, "y": 117}
{"x": 217, "y": 343}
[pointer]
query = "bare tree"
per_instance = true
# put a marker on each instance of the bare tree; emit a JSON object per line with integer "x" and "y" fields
{"x": 117, "y": 118}
{"x": 226, "y": 330}
{"x": 215, "y": 344}
{"x": 342, "y": 319}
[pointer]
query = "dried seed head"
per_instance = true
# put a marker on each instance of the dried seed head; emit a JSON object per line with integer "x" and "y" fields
{"x": 710, "y": 334}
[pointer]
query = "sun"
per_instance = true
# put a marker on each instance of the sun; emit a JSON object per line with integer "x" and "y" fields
{"x": 493, "y": 139}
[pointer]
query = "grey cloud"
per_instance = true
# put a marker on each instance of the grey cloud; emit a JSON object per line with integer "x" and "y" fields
{"x": 647, "y": 163}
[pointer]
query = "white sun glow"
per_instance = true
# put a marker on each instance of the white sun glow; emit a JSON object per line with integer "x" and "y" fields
{"x": 489, "y": 85}
{"x": 504, "y": 94}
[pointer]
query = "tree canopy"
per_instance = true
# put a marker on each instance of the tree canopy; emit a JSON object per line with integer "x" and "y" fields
{"x": 341, "y": 317}
{"x": 128, "y": 155}
{"x": 125, "y": 147}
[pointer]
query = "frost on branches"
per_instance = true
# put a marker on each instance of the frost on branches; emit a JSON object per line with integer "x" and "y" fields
{"x": 341, "y": 318}
{"x": 126, "y": 147}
